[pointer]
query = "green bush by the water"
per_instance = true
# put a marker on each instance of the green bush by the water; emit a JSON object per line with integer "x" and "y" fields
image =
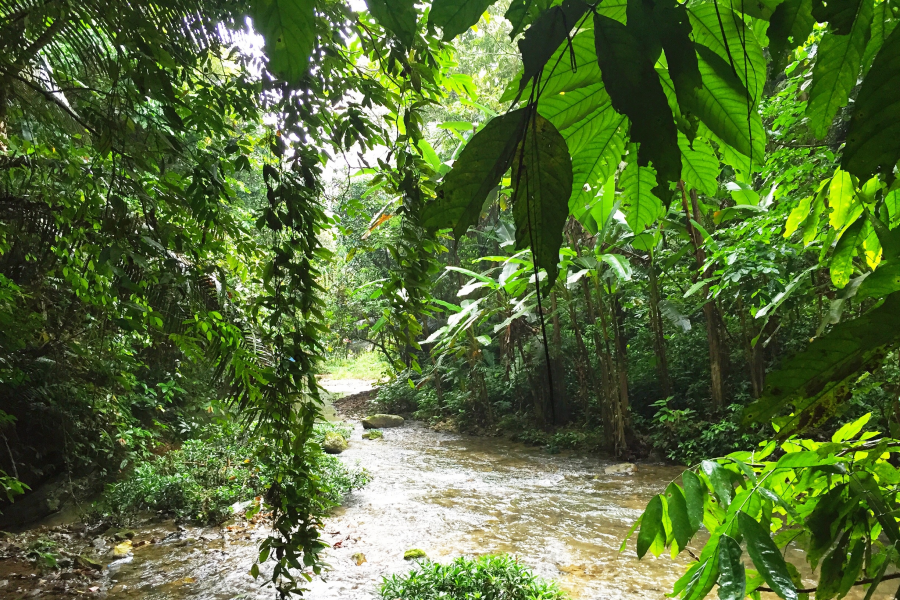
{"x": 202, "y": 479}
{"x": 485, "y": 578}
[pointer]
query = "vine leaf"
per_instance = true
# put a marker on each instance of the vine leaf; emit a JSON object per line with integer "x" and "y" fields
{"x": 652, "y": 535}
{"x": 699, "y": 165}
{"x": 732, "y": 576}
{"x": 635, "y": 91}
{"x": 818, "y": 380}
{"x": 542, "y": 183}
{"x": 641, "y": 207}
{"x": 722, "y": 105}
{"x": 791, "y": 24}
{"x": 766, "y": 557}
{"x": 397, "y": 16}
{"x": 873, "y": 139}
{"x": 838, "y": 61}
{"x": 475, "y": 173}
{"x": 288, "y": 28}
{"x": 544, "y": 37}
{"x": 456, "y": 16}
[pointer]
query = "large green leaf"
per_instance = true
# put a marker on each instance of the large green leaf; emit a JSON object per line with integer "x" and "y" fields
{"x": 750, "y": 66}
{"x": 883, "y": 24}
{"x": 699, "y": 165}
{"x": 873, "y": 139}
{"x": 674, "y": 29}
{"x": 565, "y": 110}
{"x": 397, "y": 16}
{"x": 841, "y": 266}
{"x": 678, "y": 515}
{"x": 720, "y": 480}
{"x": 476, "y": 172}
{"x": 456, "y": 16}
{"x": 636, "y": 92}
{"x": 839, "y": 14}
{"x": 598, "y": 151}
{"x": 542, "y": 183}
{"x": 722, "y": 106}
{"x": 842, "y": 199}
{"x": 791, "y": 24}
{"x": 694, "y": 492}
{"x": 289, "y": 30}
{"x": 522, "y": 12}
{"x": 652, "y": 535}
{"x": 838, "y": 61}
{"x": 641, "y": 207}
{"x": 564, "y": 77}
{"x": 544, "y": 37}
{"x": 766, "y": 557}
{"x": 732, "y": 576}
{"x": 818, "y": 380}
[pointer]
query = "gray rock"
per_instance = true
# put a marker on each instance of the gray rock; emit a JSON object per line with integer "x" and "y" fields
{"x": 619, "y": 469}
{"x": 334, "y": 443}
{"x": 382, "y": 421}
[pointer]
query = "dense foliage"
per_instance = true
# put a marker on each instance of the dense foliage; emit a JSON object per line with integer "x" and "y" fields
{"x": 637, "y": 225}
{"x": 488, "y": 577}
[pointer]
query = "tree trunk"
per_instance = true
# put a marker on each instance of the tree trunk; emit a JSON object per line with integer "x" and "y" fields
{"x": 614, "y": 407}
{"x": 717, "y": 356}
{"x": 659, "y": 339}
{"x": 561, "y": 403}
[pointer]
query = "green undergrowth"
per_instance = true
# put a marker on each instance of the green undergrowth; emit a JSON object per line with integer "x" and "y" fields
{"x": 201, "y": 480}
{"x": 365, "y": 365}
{"x": 485, "y": 578}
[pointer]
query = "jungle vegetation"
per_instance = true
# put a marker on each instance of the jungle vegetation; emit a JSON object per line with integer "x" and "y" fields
{"x": 641, "y": 226}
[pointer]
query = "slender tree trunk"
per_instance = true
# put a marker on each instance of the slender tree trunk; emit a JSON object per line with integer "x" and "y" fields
{"x": 615, "y": 405}
{"x": 561, "y": 403}
{"x": 717, "y": 356}
{"x": 659, "y": 339}
{"x": 582, "y": 361}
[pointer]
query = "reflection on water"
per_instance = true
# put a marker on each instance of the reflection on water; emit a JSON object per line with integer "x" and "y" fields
{"x": 448, "y": 495}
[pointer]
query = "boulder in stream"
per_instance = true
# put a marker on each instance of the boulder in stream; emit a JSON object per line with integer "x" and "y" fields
{"x": 334, "y": 443}
{"x": 619, "y": 469}
{"x": 414, "y": 553}
{"x": 382, "y": 421}
{"x": 373, "y": 434}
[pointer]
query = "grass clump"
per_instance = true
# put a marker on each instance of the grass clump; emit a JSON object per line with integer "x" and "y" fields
{"x": 202, "y": 479}
{"x": 486, "y": 578}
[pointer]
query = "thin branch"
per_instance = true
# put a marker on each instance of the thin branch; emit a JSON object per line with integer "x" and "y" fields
{"x": 860, "y": 582}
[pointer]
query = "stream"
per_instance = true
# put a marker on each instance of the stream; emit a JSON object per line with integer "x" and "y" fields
{"x": 447, "y": 495}
{"x": 444, "y": 493}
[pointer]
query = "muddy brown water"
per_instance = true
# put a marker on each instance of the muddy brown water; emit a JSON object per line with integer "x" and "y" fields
{"x": 447, "y": 494}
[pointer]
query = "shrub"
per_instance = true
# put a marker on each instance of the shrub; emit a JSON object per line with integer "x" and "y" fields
{"x": 485, "y": 578}
{"x": 201, "y": 480}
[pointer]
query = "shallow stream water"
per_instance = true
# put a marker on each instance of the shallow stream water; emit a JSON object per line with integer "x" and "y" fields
{"x": 448, "y": 495}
